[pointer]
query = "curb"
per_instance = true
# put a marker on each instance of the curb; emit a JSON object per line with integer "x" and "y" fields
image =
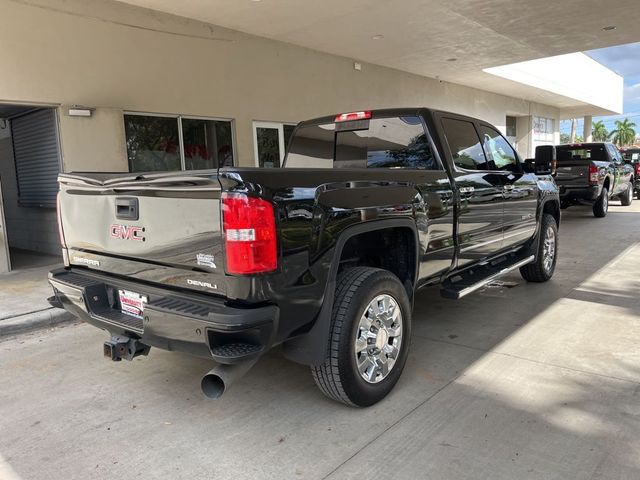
{"x": 34, "y": 321}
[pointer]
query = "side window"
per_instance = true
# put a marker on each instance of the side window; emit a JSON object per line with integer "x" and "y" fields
{"x": 498, "y": 150}
{"x": 399, "y": 142}
{"x": 394, "y": 142}
{"x": 464, "y": 144}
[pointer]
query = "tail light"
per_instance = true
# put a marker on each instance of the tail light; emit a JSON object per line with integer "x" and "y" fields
{"x": 638, "y": 169}
{"x": 250, "y": 234}
{"x": 593, "y": 175}
{"x": 63, "y": 243}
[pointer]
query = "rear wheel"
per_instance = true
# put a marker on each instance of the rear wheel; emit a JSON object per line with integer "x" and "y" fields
{"x": 601, "y": 207}
{"x": 544, "y": 265}
{"x": 627, "y": 197}
{"x": 369, "y": 337}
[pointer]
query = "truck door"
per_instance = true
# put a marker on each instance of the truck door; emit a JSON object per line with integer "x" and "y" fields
{"x": 520, "y": 190}
{"x": 479, "y": 188}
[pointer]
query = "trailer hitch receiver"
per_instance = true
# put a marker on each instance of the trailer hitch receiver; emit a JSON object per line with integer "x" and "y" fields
{"x": 120, "y": 347}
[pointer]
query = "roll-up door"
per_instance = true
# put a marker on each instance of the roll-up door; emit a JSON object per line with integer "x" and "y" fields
{"x": 37, "y": 157}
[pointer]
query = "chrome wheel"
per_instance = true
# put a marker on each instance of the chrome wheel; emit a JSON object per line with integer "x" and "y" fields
{"x": 549, "y": 249}
{"x": 605, "y": 203}
{"x": 378, "y": 338}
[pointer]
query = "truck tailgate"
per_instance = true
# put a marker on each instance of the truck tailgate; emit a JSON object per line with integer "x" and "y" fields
{"x": 573, "y": 173}
{"x": 162, "y": 228}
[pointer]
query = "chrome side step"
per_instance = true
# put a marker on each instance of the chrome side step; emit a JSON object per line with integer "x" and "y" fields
{"x": 457, "y": 290}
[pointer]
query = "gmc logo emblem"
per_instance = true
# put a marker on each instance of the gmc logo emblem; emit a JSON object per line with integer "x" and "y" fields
{"x": 127, "y": 232}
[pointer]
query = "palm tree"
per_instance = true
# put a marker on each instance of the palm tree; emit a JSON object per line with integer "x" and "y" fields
{"x": 624, "y": 134}
{"x": 599, "y": 132}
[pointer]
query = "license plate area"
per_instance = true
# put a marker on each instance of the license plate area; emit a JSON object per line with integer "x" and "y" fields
{"x": 132, "y": 303}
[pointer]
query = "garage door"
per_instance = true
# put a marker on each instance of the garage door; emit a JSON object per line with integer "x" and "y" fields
{"x": 37, "y": 157}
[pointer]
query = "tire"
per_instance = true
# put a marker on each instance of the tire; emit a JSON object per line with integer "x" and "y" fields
{"x": 627, "y": 197}
{"x": 541, "y": 270}
{"x": 338, "y": 377}
{"x": 601, "y": 207}
{"x": 638, "y": 195}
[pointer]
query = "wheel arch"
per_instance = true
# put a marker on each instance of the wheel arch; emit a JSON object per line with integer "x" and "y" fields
{"x": 310, "y": 348}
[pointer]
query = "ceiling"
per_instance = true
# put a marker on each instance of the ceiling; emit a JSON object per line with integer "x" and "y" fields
{"x": 453, "y": 40}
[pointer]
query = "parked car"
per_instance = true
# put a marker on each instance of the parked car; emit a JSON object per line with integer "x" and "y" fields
{"x": 592, "y": 174}
{"x": 323, "y": 256}
{"x": 631, "y": 155}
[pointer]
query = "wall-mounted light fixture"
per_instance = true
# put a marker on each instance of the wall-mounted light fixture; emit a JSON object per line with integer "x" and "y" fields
{"x": 80, "y": 111}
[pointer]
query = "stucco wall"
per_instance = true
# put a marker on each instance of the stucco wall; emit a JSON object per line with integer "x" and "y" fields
{"x": 117, "y": 57}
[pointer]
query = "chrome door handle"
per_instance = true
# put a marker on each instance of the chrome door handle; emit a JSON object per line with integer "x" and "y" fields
{"x": 508, "y": 188}
{"x": 467, "y": 189}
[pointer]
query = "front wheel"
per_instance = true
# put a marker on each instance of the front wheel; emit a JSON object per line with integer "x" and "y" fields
{"x": 369, "y": 337}
{"x": 627, "y": 197}
{"x": 542, "y": 268}
{"x": 601, "y": 207}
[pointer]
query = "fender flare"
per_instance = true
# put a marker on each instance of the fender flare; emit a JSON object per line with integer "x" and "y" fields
{"x": 310, "y": 348}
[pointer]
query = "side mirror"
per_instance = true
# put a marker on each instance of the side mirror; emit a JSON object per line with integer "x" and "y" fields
{"x": 545, "y": 160}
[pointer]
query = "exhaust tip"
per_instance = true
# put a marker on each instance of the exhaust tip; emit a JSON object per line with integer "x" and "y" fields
{"x": 212, "y": 385}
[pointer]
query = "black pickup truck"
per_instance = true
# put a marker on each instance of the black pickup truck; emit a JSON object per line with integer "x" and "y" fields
{"x": 592, "y": 174}
{"x": 323, "y": 257}
{"x": 631, "y": 155}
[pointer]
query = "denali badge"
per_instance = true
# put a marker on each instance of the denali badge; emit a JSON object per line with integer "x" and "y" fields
{"x": 205, "y": 260}
{"x": 127, "y": 232}
{"x": 198, "y": 283}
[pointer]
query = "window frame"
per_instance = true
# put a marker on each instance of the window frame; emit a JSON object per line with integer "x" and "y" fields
{"x": 454, "y": 165}
{"x": 255, "y": 124}
{"x": 179, "y": 118}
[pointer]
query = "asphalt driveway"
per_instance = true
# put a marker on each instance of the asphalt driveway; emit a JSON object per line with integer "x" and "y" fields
{"x": 518, "y": 381}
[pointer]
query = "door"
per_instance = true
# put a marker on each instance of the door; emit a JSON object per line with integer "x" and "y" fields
{"x": 5, "y": 261}
{"x": 622, "y": 172}
{"x": 519, "y": 189}
{"x": 270, "y": 140}
{"x": 480, "y": 215}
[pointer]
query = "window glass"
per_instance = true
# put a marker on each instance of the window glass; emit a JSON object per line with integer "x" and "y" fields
{"x": 464, "y": 144}
{"x": 511, "y": 126}
{"x": 288, "y": 131}
{"x": 566, "y": 153}
{"x": 312, "y": 147}
{"x": 394, "y": 142}
{"x": 152, "y": 143}
{"x": 498, "y": 150}
{"x": 268, "y": 147}
{"x": 207, "y": 143}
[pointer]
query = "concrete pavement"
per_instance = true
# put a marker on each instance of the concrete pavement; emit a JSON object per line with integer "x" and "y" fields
{"x": 526, "y": 381}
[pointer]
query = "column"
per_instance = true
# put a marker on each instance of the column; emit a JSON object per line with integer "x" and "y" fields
{"x": 588, "y": 137}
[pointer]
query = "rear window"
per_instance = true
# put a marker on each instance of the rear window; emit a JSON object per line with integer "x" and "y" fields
{"x": 595, "y": 152}
{"x": 395, "y": 142}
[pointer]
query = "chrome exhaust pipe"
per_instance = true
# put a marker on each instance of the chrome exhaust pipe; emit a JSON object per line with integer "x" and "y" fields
{"x": 220, "y": 378}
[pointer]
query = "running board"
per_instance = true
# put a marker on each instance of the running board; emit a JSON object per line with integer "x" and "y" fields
{"x": 465, "y": 286}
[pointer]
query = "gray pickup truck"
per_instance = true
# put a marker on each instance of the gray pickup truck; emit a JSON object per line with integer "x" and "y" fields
{"x": 593, "y": 174}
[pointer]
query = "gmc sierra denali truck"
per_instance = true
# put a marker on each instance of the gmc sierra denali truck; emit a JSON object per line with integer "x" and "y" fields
{"x": 592, "y": 174}
{"x": 323, "y": 257}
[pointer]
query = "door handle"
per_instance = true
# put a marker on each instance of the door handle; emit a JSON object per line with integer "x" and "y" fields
{"x": 507, "y": 188}
{"x": 467, "y": 189}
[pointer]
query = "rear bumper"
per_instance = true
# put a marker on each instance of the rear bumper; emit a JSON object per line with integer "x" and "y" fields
{"x": 574, "y": 194}
{"x": 190, "y": 323}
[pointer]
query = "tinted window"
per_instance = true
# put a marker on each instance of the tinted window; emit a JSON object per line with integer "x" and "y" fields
{"x": 312, "y": 147}
{"x": 395, "y": 142}
{"x": 207, "y": 144}
{"x": 498, "y": 150}
{"x": 580, "y": 152}
{"x": 464, "y": 144}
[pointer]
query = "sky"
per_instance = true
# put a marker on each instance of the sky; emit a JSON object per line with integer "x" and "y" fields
{"x": 624, "y": 60}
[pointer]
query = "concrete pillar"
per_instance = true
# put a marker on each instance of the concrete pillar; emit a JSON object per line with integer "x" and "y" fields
{"x": 588, "y": 137}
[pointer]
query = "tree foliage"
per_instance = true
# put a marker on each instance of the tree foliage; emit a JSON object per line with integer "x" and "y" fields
{"x": 599, "y": 132}
{"x": 624, "y": 133}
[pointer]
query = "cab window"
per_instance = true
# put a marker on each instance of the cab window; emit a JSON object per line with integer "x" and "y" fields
{"x": 464, "y": 144}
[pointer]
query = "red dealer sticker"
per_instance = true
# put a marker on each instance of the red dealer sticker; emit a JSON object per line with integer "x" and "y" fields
{"x": 132, "y": 303}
